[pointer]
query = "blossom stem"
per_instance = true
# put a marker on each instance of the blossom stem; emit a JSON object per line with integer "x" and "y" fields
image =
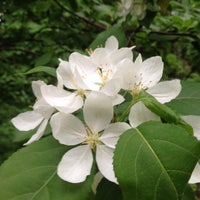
{"x": 125, "y": 114}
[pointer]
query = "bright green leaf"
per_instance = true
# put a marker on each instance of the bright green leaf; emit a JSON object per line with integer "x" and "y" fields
{"x": 30, "y": 174}
{"x": 188, "y": 101}
{"x": 48, "y": 70}
{"x": 155, "y": 161}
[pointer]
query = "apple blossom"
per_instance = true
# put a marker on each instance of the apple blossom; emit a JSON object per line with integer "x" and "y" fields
{"x": 145, "y": 75}
{"x": 97, "y": 136}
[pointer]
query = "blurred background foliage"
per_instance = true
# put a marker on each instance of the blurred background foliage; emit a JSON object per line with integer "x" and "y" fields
{"x": 36, "y": 33}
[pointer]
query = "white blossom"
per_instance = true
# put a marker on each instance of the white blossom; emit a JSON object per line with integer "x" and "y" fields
{"x": 96, "y": 135}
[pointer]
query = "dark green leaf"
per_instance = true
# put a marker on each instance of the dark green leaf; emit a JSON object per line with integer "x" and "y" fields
{"x": 30, "y": 174}
{"x": 188, "y": 101}
{"x": 107, "y": 190}
{"x": 155, "y": 161}
{"x": 188, "y": 194}
{"x": 115, "y": 30}
{"x": 49, "y": 70}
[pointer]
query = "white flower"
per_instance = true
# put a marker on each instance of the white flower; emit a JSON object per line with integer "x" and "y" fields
{"x": 145, "y": 75}
{"x": 49, "y": 98}
{"x": 96, "y": 135}
{"x": 61, "y": 99}
{"x": 96, "y": 72}
{"x": 40, "y": 115}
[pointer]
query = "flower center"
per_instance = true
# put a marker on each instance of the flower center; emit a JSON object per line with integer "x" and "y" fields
{"x": 105, "y": 74}
{"x": 92, "y": 138}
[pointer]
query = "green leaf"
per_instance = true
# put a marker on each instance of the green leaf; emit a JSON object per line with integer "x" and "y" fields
{"x": 30, "y": 174}
{"x": 107, "y": 190}
{"x": 48, "y": 70}
{"x": 166, "y": 113}
{"x": 188, "y": 101}
{"x": 155, "y": 161}
{"x": 115, "y": 30}
{"x": 188, "y": 194}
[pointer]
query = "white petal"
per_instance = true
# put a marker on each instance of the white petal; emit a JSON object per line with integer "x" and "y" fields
{"x": 111, "y": 43}
{"x": 27, "y": 121}
{"x": 39, "y": 133}
{"x": 194, "y": 121}
{"x": 139, "y": 114}
{"x": 165, "y": 91}
{"x": 62, "y": 100}
{"x": 36, "y": 85}
{"x": 65, "y": 74}
{"x": 42, "y": 107}
{"x": 195, "y": 177}
{"x": 104, "y": 158}
{"x": 112, "y": 87}
{"x": 123, "y": 53}
{"x": 97, "y": 111}
{"x": 67, "y": 129}
{"x": 76, "y": 164}
{"x": 70, "y": 77}
{"x": 111, "y": 134}
{"x": 151, "y": 71}
{"x": 126, "y": 69}
{"x": 117, "y": 99}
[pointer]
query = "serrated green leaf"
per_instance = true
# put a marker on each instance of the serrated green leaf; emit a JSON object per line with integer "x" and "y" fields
{"x": 48, "y": 70}
{"x": 30, "y": 174}
{"x": 107, "y": 190}
{"x": 115, "y": 30}
{"x": 188, "y": 101}
{"x": 155, "y": 161}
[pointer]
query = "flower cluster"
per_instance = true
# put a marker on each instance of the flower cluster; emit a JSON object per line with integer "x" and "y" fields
{"x": 81, "y": 108}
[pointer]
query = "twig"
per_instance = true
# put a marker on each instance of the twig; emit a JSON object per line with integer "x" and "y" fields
{"x": 84, "y": 19}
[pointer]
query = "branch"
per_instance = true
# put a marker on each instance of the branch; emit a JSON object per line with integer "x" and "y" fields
{"x": 173, "y": 33}
{"x": 84, "y": 19}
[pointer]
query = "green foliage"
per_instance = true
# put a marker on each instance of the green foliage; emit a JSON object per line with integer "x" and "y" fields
{"x": 107, "y": 190}
{"x": 35, "y": 34}
{"x": 188, "y": 101}
{"x": 154, "y": 166}
{"x": 30, "y": 173}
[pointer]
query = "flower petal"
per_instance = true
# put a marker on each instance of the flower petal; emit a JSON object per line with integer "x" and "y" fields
{"x": 111, "y": 43}
{"x": 39, "y": 133}
{"x": 42, "y": 107}
{"x": 165, "y": 91}
{"x": 151, "y": 71}
{"x": 195, "y": 177}
{"x": 194, "y": 121}
{"x": 62, "y": 100}
{"x": 97, "y": 111}
{"x": 27, "y": 121}
{"x": 104, "y": 158}
{"x": 111, "y": 134}
{"x": 139, "y": 114}
{"x": 76, "y": 164}
{"x": 117, "y": 99}
{"x": 67, "y": 129}
{"x": 112, "y": 87}
{"x": 36, "y": 85}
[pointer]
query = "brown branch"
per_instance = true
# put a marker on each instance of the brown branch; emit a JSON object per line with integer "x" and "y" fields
{"x": 83, "y": 19}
